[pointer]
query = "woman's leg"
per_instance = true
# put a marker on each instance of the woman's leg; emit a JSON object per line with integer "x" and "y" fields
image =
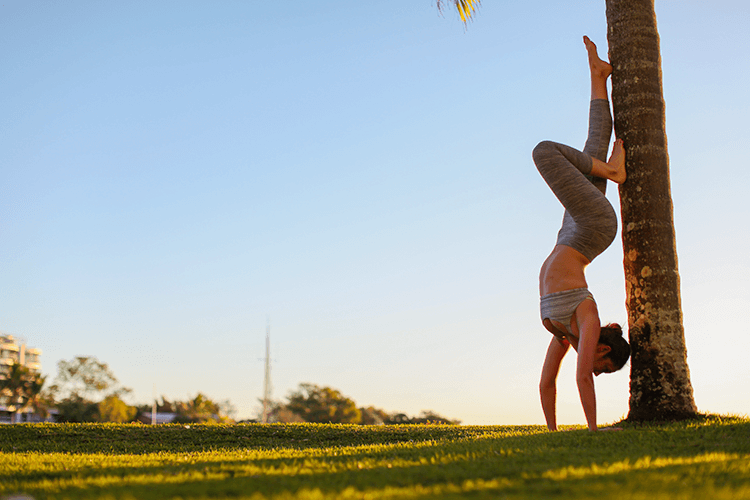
{"x": 614, "y": 169}
{"x": 565, "y": 170}
{"x": 600, "y": 124}
{"x": 600, "y": 71}
{"x": 590, "y": 223}
{"x": 600, "y": 129}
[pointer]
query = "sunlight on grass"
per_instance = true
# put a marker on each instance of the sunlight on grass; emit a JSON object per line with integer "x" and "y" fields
{"x": 708, "y": 460}
{"x": 713, "y": 461}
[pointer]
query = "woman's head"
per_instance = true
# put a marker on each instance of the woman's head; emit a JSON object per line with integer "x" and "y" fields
{"x": 619, "y": 349}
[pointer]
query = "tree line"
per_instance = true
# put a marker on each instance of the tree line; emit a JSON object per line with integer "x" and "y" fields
{"x": 86, "y": 390}
{"x": 312, "y": 403}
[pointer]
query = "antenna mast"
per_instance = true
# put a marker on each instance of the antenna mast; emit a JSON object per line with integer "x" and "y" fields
{"x": 267, "y": 377}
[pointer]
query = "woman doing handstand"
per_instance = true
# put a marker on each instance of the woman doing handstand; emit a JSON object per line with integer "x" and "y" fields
{"x": 568, "y": 309}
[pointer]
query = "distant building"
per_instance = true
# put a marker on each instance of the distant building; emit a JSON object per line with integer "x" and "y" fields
{"x": 161, "y": 418}
{"x": 11, "y": 352}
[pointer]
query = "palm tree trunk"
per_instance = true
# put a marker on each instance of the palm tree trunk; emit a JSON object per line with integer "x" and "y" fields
{"x": 660, "y": 387}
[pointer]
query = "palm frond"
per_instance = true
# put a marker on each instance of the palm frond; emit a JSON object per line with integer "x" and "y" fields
{"x": 466, "y": 8}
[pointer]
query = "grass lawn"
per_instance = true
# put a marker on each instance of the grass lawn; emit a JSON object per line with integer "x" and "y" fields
{"x": 706, "y": 459}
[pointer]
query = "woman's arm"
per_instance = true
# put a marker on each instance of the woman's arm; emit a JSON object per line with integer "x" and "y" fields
{"x": 589, "y": 329}
{"x": 548, "y": 383}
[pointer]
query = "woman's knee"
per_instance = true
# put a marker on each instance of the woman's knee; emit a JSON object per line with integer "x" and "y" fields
{"x": 608, "y": 225}
{"x": 544, "y": 150}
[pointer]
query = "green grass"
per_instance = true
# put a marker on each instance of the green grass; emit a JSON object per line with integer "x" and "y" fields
{"x": 706, "y": 459}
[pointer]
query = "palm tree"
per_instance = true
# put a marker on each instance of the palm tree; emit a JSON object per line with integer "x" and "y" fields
{"x": 660, "y": 387}
{"x": 21, "y": 388}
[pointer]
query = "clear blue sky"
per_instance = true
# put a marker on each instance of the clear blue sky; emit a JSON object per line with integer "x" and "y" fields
{"x": 173, "y": 173}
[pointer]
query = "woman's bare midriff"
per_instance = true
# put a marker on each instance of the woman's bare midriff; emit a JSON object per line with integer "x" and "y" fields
{"x": 563, "y": 270}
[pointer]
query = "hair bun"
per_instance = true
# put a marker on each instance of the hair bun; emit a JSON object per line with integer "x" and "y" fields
{"x": 616, "y": 327}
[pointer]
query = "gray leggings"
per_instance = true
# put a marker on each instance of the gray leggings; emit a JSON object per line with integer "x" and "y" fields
{"x": 589, "y": 224}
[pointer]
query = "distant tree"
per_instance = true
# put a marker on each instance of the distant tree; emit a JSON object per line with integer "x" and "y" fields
{"x": 279, "y": 413}
{"x": 76, "y": 409}
{"x": 81, "y": 385}
{"x": 323, "y": 404}
{"x": 430, "y": 417}
{"x": 373, "y": 416}
{"x": 425, "y": 417}
{"x": 21, "y": 388}
{"x": 165, "y": 406}
{"x": 227, "y": 409}
{"x": 41, "y": 403}
{"x": 312, "y": 403}
{"x": 143, "y": 411}
{"x": 114, "y": 409}
{"x": 86, "y": 377}
{"x": 201, "y": 409}
{"x": 398, "y": 418}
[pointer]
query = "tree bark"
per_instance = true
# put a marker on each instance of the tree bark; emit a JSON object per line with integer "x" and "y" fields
{"x": 660, "y": 387}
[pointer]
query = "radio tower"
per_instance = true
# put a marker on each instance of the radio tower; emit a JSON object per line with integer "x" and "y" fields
{"x": 267, "y": 377}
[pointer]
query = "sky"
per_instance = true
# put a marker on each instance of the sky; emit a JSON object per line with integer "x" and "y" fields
{"x": 177, "y": 176}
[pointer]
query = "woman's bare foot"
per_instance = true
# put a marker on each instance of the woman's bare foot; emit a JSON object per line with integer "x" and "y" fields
{"x": 599, "y": 68}
{"x": 614, "y": 169}
{"x": 616, "y": 163}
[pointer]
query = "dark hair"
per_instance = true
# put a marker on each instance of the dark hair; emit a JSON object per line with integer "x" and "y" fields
{"x": 611, "y": 335}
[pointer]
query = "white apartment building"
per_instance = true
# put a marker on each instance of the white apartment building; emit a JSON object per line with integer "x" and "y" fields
{"x": 11, "y": 352}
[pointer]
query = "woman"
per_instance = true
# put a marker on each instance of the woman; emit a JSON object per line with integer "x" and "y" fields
{"x": 568, "y": 310}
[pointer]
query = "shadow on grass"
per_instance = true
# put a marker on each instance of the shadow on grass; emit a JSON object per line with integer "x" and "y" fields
{"x": 445, "y": 461}
{"x": 141, "y": 439}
